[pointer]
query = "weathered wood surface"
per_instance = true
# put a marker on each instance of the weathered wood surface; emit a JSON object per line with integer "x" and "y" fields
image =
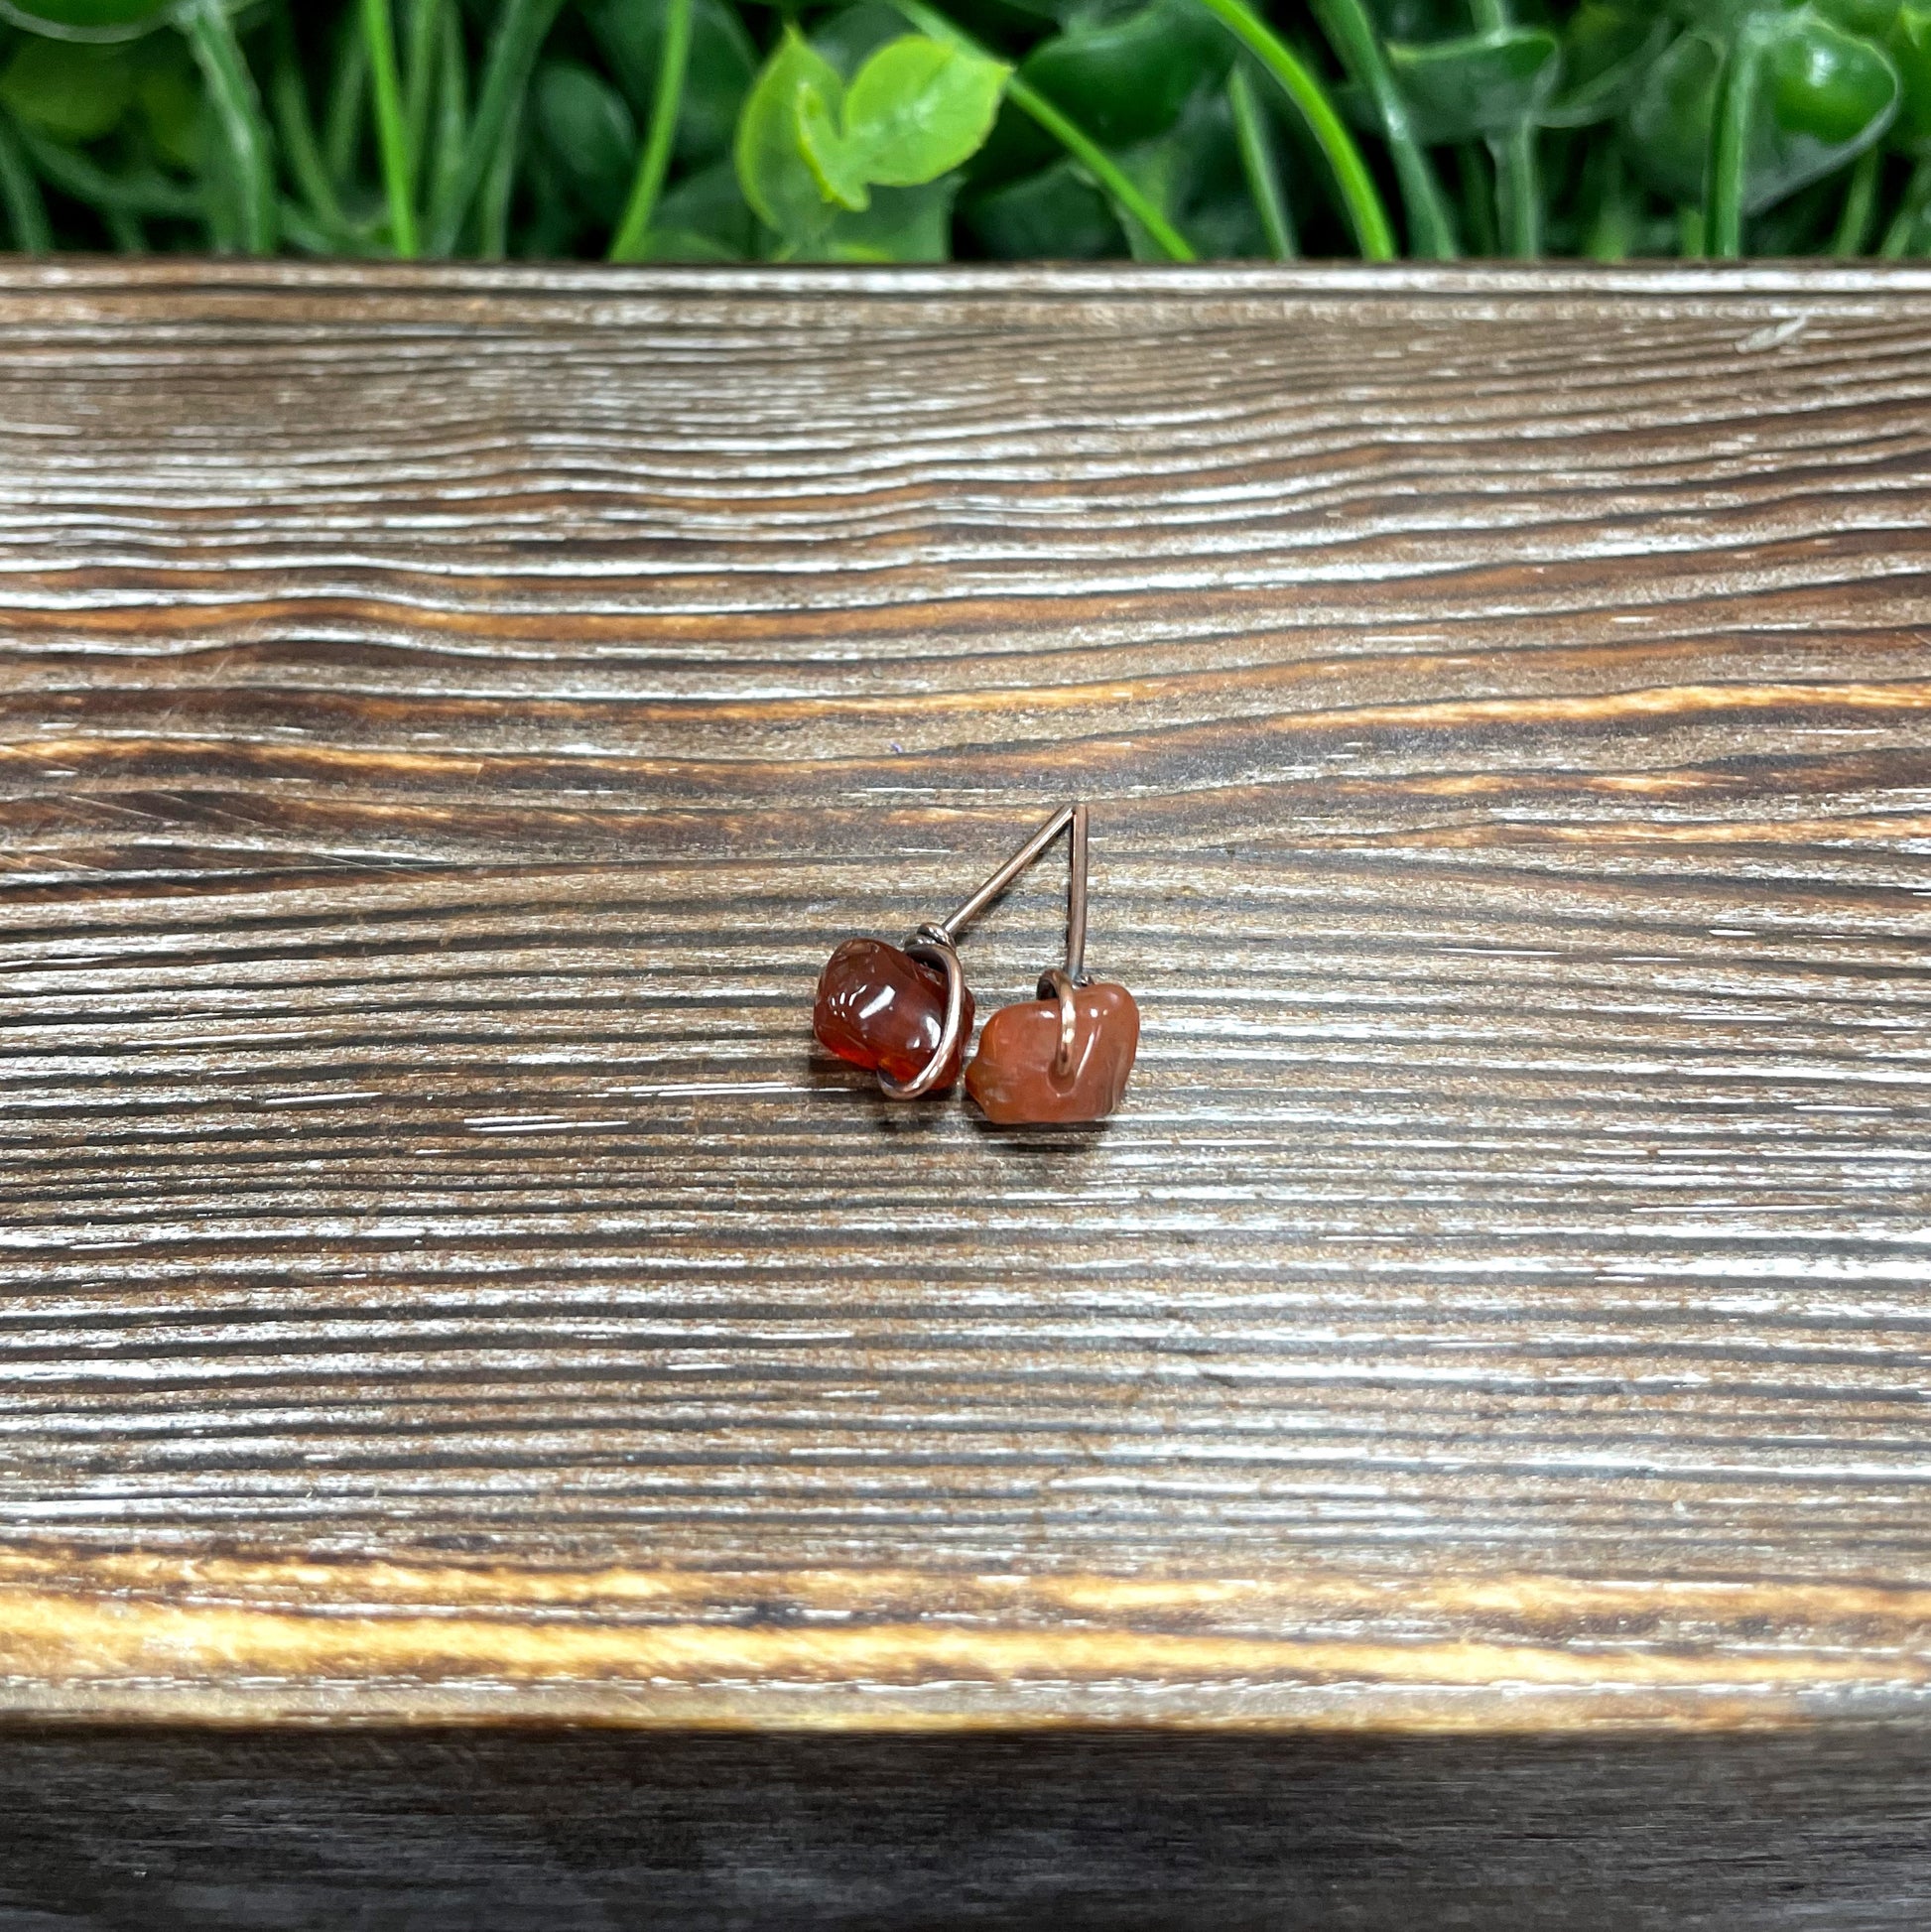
{"x": 448, "y": 715}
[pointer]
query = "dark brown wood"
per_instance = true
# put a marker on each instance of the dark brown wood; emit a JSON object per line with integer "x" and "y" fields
{"x": 448, "y": 715}
{"x": 479, "y": 1830}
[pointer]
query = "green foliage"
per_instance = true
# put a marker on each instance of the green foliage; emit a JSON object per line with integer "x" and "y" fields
{"x": 780, "y": 182}
{"x": 1126, "y": 77}
{"x": 589, "y": 133}
{"x": 917, "y": 109}
{"x": 812, "y": 149}
{"x": 71, "y": 89}
{"x": 1908, "y": 42}
{"x": 1608, "y": 46}
{"x": 82, "y": 20}
{"x": 629, "y": 36}
{"x": 1818, "y": 96}
{"x": 1483, "y": 84}
{"x": 908, "y": 130}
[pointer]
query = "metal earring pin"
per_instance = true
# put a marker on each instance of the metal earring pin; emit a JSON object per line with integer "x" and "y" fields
{"x": 905, "y": 1012}
{"x": 1065, "y": 1057}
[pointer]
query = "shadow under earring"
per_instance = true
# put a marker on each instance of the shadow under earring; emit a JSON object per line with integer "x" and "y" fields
{"x": 1064, "y": 1058}
{"x": 905, "y": 1012}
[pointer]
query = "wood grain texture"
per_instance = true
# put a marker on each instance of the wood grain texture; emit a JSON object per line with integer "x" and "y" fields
{"x": 445, "y": 717}
{"x": 479, "y": 1831}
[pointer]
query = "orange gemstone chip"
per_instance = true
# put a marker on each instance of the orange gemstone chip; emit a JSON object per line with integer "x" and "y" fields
{"x": 1014, "y": 1076}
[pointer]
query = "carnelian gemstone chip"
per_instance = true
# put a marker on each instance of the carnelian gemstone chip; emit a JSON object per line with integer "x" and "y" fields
{"x": 1013, "y": 1076}
{"x": 883, "y": 1010}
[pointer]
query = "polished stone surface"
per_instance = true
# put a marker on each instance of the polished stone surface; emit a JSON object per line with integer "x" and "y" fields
{"x": 883, "y": 1010}
{"x": 1013, "y": 1076}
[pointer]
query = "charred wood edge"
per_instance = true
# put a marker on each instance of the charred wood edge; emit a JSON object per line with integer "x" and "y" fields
{"x": 224, "y": 1640}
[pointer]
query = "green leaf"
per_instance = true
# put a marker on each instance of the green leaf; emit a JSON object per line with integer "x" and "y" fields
{"x": 1215, "y": 201}
{"x": 1722, "y": 19}
{"x": 73, "y": 92}
{"x": 703, "y": 218}
{"x": 1128, "y": 80}
{"x": 850, "y": 37}
{"x": 777, "y": 179}
{"x": 1606, "y": 49}
{"x": 807, "y": 146}
{"x": 1827, "y": 87}
{"x": 1482, "y": 84}
{"x": 1874, "y": 19}
{"x": 588, "y": 133}
{"x": 902, "y": 224}
{"x": 718, "y": 69}
{"x": 1056, "y": 214}
{"x": 1193, "y": 174}
{"x": 837, "y": 164}
{"x": 1159, "y": 169}
{"x": 918, "y": 108}
{"x": 173, "y": 107}
{"x": 555, "y": 223}
{"x": 1418, "y": 20}
{"x": 1822, "y": 96}
{"x": 1909, "y": 46}
{"x": 1668, "y": 122}
{"x": 87, "y": 20}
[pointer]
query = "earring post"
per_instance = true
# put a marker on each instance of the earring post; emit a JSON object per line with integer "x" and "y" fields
{"x": 1075, "y": 899}
{"x": 1066, "y": 815}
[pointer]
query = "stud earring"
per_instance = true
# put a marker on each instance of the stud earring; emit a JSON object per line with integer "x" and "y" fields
{"x": 905, "y": 1012}
{"x": 1065, "y": 1057}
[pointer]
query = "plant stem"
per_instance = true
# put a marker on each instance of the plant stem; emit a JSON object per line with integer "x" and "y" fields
{"x": 1612, "y": 228}
{"x": 1125, "y": 192}
{"x": 1478, "y": 199}
{"x": 420, "y": 69}
{"x": 125, "y": 232}
{"x": 237, "y": 104}
{"x": 1690, "y": 232}
{"x": 86, "y": 180}
{"x": 493, "y": 207}
{"x": 289, "y": 96}
{"x": 519, "y": 37}
{"x": 1374, "y": 235}
{"x": 1852, "y": 235}
{"x": 25, "y": 206}
{"x": 452, "y": 105}
{"x": 1261, "y": 164}
{"x": 633, "y": 231}
{"x": 1903, "y": 230}
{"x": 1518, "y": 190}
{"x": 391, "y": 131}
{"x": 1431, "y": 231}
{"x": 302, "y": 231}
{"x": 341, "y": 133}
{"x": 1730, "y": 139}
{"x": 219, "y": 207}
{"x": 308, "y": 234}
{"x": 1518, "y": 185}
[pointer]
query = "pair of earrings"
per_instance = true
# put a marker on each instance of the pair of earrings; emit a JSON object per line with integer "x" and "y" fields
{"x": 905, "y": 1012}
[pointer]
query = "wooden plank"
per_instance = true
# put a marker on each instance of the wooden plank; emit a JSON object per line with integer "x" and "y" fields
{"x": 529, "y": 1831}
{"x": 449, "y": 715}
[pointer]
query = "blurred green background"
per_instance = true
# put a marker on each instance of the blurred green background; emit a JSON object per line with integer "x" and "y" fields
{"x": 713, "y": 131}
